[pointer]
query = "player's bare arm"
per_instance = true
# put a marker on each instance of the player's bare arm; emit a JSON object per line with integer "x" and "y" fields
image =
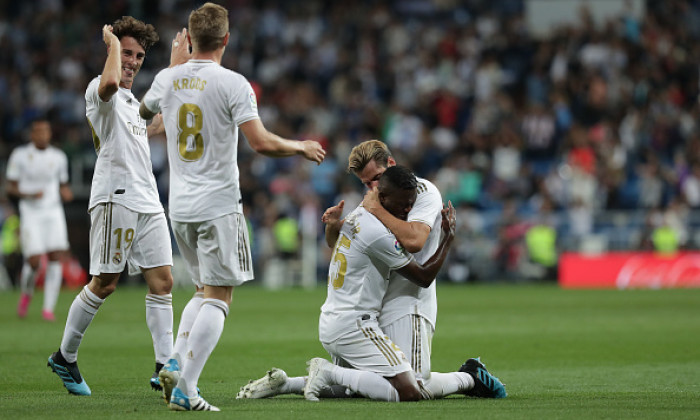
{"x": 112, "y": 72}
{"x": 331, "y": 217}
{"x": 156, "y": 126}
{"x": 424, "y": 275}
{"x": 272, "y": 145}
{"x": 66, "y": 193}
{"x": 412, "y": 235}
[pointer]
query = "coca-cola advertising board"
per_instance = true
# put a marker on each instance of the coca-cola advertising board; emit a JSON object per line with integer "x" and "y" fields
{"x": 629, "y": 270}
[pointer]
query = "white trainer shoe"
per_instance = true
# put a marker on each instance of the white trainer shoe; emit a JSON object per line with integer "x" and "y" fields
{"x": 180, "y": 402}
{"x": 319, "y": 377}
{"x": 265, "y": 387}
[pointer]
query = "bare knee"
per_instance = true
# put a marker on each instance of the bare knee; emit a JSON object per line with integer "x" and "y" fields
{"x": 159, "y": 280}
{"x": 34, "y": 261}
{"x": 56, "y": 255}
{"x": 103, "y": 284}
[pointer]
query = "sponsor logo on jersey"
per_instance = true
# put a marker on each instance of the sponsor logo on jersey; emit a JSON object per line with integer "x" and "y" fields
{"x": 253, "y": 100}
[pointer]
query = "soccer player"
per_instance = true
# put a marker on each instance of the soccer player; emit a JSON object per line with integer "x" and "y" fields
{"x": 367, "y": 361}
{"x": 408, "y": 311}
{"x": 203, "y": 106}
{"x": 37, "y": 174}
{"x": 128, "y": 223}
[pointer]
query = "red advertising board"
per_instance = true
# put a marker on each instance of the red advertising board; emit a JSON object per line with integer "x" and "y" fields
{"x": 629, "y": 270}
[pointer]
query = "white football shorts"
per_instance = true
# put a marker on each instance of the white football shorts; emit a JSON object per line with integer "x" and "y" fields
{"x": 216, "y": 252}
{"x": 413, "y": 334}
{"x": 119, "y": 235}
{"x": 43, "y": 231}
{"x": 365, "y": 347}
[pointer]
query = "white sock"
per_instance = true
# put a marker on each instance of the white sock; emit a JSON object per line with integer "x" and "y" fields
{"x": 159, "y": 318}
{"x": 367, "y": 384}
{"x": 26, "y": 279}
{"x": 80, "y": 315}
{"x": 206, "y": 331}
{"x": 294, "y": 385}
{"x": 52, "y": 284}
{"x": 189, "y": 314}
{"x": 443, "y": 384}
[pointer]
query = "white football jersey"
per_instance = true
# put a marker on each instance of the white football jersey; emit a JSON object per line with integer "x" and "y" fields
{"x": 38, "y": 170}
{"x": 203, "y": 104}
{"x": 123, "y": 170}
{"x": 365, "y": 254}
{"x": 402, "y": 296}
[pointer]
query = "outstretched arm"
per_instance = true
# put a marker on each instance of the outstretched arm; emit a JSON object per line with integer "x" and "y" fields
{"x": 423, "y": 275}
{"x": 272, "y": 145}
{"x": 412, "y": 235}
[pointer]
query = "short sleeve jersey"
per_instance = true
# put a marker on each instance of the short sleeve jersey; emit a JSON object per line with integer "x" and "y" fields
{"x": 402, "y": 296}
{"x": 203, "y": 104}
{"x": 365, "y": 254}
{"x": 123, "y": 171}
{"x": 38, "y": 170}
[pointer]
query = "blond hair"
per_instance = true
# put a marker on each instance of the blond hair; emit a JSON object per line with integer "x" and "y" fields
{"x": 208, "y": 26}
{"x": 367, "y": 151}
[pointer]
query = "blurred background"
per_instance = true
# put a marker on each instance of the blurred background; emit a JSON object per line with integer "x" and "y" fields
{"x": 554, "y": 126}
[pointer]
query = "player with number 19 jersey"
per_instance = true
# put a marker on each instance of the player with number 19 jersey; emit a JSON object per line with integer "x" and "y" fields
{"x": 123, "y": 171}
{"x": 209, "y": 186}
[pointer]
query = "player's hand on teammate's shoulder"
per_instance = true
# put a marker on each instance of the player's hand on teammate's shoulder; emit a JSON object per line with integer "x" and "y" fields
{"x": 313, "y": 151}
{"x": 371, "y": 200}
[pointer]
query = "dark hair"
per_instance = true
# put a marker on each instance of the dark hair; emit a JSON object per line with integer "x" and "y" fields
{"x": 399, "y": 177}
{"x": 144, "y": 34}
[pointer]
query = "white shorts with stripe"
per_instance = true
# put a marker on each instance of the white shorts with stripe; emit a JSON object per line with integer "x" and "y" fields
{"x": 43, "y": 231}
{"x": 413, "y": 334}
{"x": 119, "y": 236}
{"x": 365, "y": 347}
{"x": 216, "y": 252}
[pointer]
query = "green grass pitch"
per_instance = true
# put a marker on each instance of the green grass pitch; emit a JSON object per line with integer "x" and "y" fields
{"x": 563, "y": 354}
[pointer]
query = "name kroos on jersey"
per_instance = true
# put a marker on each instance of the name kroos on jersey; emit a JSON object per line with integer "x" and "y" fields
{"x": 189, "y": 83}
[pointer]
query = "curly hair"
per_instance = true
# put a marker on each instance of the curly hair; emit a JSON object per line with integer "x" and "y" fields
{"x": 145, "y": 34}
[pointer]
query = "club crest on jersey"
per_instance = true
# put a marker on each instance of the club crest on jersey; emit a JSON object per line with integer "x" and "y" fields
{"x": 117, "y": 258}
{"x": 399, "y": 248}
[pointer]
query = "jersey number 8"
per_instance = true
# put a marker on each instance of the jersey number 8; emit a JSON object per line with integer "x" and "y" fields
{"x": 189, "y": 124}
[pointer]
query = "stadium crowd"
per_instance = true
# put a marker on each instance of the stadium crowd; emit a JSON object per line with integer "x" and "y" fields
{"x": 515, "y": 129}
